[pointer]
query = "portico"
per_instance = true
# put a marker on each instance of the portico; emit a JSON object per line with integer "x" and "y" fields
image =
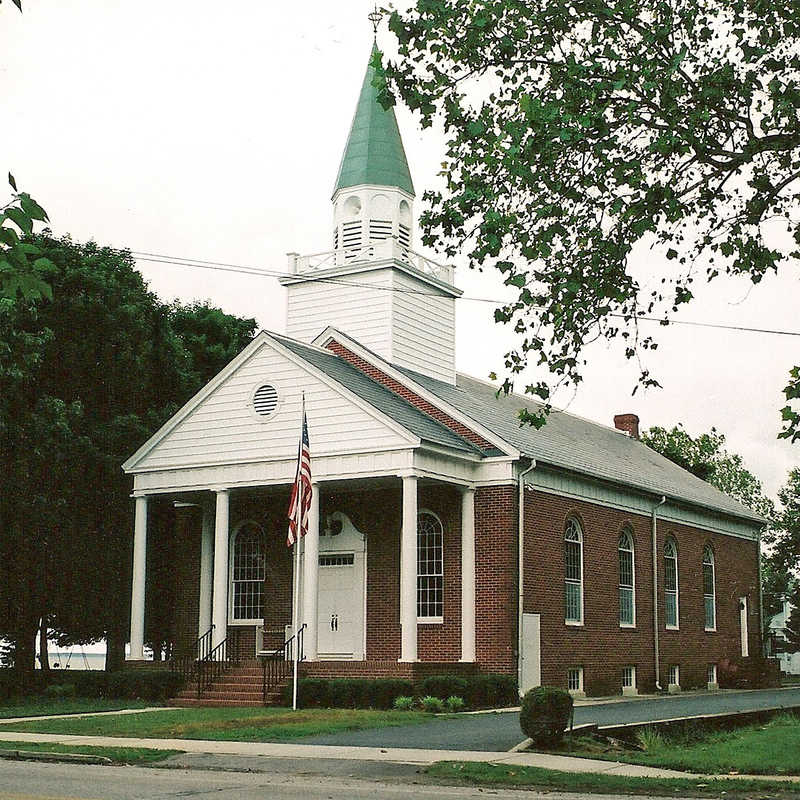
{"x": 334, "y": 605}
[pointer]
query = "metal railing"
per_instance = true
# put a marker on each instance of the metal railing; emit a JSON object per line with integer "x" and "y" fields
{"x": 199, "y": 649}
{"x": 277, "y": 665}
{"x": 217, "y": 661}
{"x": 384, "y": 249}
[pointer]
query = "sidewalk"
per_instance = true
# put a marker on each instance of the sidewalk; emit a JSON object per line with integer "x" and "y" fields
{"x": 388, "y": 755}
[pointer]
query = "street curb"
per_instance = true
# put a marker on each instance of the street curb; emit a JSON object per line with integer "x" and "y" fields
{"x": 38, "y": 755}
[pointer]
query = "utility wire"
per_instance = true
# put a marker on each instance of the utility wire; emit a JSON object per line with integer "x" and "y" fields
{"x": 222, "y": 266}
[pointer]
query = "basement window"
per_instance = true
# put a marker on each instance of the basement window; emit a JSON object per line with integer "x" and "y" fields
{"x": 575, "y": 679}
{"x": 674, "y": 675}
{"x": 629, "y": 677}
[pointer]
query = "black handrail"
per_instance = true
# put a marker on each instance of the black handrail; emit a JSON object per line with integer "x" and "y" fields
{"x": 215, "y": 663}
{"x": 197, "y": 651}
{"x": 276, "y": 666}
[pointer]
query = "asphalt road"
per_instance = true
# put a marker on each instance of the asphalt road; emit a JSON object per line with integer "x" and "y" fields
{"x": 501, "y": 731}
{"x": 34, "y": 781}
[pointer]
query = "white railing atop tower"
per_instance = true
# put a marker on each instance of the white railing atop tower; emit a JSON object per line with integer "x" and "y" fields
{"x": 385, "y": 250}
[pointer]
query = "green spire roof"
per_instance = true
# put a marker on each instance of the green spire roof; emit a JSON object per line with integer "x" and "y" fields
{"x": 374, "y": 150}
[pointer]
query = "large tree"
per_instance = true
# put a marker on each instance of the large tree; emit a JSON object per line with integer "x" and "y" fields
{"x": 577, "y": 131}
{"x": 87, "y": 376}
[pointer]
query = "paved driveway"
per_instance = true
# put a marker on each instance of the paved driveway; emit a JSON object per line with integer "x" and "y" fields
{"x": 501, "y": 731}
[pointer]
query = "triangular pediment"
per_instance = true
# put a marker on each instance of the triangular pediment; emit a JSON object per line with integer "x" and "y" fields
{"x": 235, "y": 419}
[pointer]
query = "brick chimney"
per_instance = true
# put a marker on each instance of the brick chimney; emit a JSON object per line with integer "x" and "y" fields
{"x": 628, "y": 423}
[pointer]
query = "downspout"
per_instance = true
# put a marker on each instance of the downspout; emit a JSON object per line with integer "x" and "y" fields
{"x": 762, "y": 642}
{"x": 520, "y": 564}
{"x": 655, "y": 591}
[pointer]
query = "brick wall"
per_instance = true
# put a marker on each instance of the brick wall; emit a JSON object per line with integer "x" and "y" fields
{"x": 600, "y": 646}
{"x": 495, "y": 578}
{"x": 186, "y": 575}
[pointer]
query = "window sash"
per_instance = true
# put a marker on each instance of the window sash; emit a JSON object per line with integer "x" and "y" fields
{"x": 430, "y": 566}
{"x": 671, "y": 609}
{"x": 572, "y": 594}
{"x": 710, "y": 613}
{"x": 626, "y": 616}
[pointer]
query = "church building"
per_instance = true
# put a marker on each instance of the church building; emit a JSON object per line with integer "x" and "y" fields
{"x": 443, "y": 536}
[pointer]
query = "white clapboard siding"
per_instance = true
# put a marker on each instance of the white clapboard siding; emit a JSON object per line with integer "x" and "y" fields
{"x": 354, "y": 304}
{"x": 223, "y": 428}
{"x": 423, "y": 328}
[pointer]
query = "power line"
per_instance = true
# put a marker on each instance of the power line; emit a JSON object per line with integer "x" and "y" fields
{"x": 223, "y": 266}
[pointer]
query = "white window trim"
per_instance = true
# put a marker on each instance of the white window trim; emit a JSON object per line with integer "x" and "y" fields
{"x": 232, "y": 552}
{"x": 713, "y": 596}
{"x": 677, "y": 625}
{"x": 629, "y": 533}
{"x": 709, "y": 669}
{"x": 437, "y": 620}
{"x": 574, "y": 623}
{"x": 632, "y": 668}
{"x": 580, "y": 689}
{"x": 677, "y": 668}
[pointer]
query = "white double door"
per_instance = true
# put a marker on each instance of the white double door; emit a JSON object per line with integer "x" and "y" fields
{"x": 341, "y": 586}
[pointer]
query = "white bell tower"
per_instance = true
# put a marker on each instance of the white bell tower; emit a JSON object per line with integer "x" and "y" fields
{"x": 372, "y": 285}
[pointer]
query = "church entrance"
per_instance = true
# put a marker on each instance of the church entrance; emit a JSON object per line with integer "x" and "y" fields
{"x": 342, "y": 583}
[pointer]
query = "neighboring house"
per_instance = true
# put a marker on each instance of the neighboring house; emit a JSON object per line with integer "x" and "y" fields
{"x": 789, "y": 662}
{"x": 423, "y": 480}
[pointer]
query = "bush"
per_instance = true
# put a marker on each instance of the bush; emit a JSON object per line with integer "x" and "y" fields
{"x": 491, "y": 691}
{"x": 545, "y": 714}
{"x": 58, "y": 691}
{"x": 454, "y": 704}
{"x": 403, "y": 703}
{"x": 443, "y": 686}
{"x": 433, "y": 705}
{"x": 348, "y": 692}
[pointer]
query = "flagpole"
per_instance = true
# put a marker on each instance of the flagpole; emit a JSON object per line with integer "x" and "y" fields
{"x": 298, "y": 537}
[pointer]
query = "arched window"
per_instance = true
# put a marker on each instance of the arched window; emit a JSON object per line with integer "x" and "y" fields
{"x": 247, "y": 573}
{"x": 430, "y": 566}
{"x": 627, "y": 594}
{"x": 573, "y": 573}
{"x": 709, "y": 592}
{"x": 671, "y": 584}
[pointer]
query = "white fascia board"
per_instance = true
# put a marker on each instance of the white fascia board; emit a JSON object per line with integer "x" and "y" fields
{"x": 195, "y": 401}
{"x": 357, "y": 267}
{"x": 334, "y": 333}
{"x": 378, "y": 187}
{"x": 263, "y": 337}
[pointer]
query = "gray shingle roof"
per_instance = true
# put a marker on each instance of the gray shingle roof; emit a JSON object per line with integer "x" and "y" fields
{"x": 427, "y": 428}
{"x": 576, "y": 444}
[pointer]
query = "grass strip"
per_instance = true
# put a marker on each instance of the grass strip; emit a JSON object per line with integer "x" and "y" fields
{"x": 39, "y": 707}
{"x": 226, "y": 724}
{"x": 498, "y": 775}
{"x": 119, "y": 755}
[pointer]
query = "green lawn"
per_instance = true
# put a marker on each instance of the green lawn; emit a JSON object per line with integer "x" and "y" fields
{"x": 228, "y": 724}
{"x": 496, "y": 775}
{"x": 39, "y": 706}
{"x": 771, "y": 748}
{"x": 120, "y": 755}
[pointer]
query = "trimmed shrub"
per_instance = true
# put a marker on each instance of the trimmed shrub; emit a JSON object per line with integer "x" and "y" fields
{"x": 347, "y": 692}
{"x": 433, "y": 705}
{"x": 491, "y": 691}
{"x": 545, "y": 714}
{"x": 58, "y": 691}
{"x": 384, "y": 691}
{"x": 443, "y": 686}
{"x": 403, "y": 703}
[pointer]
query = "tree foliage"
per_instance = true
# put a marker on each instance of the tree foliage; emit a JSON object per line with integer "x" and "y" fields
{"x": 785, "y": 539}
{"x": 706, "y": 457}
{"x": 23, "y": 269}
{"x": 579, "y": 130}
{"x": 87, "y": 376}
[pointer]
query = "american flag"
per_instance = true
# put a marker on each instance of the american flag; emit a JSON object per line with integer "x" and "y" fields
{"x": 301, "y": 491}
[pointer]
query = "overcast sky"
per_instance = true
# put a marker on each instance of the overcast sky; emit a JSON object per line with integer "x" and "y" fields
{"x": 214, "y": 131}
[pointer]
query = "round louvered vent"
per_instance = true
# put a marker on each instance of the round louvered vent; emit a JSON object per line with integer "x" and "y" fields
{"x": 265, "y": 400}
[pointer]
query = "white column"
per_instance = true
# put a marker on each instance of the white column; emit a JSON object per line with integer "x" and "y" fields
{"x": 408, "y": 571}
{"x": 206, "y": 569}
{"x": 311, "y": 577}
{"x": 468, "y": 574}
{"x": 219, "y": 614}
{"x": 139, "y": 574}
